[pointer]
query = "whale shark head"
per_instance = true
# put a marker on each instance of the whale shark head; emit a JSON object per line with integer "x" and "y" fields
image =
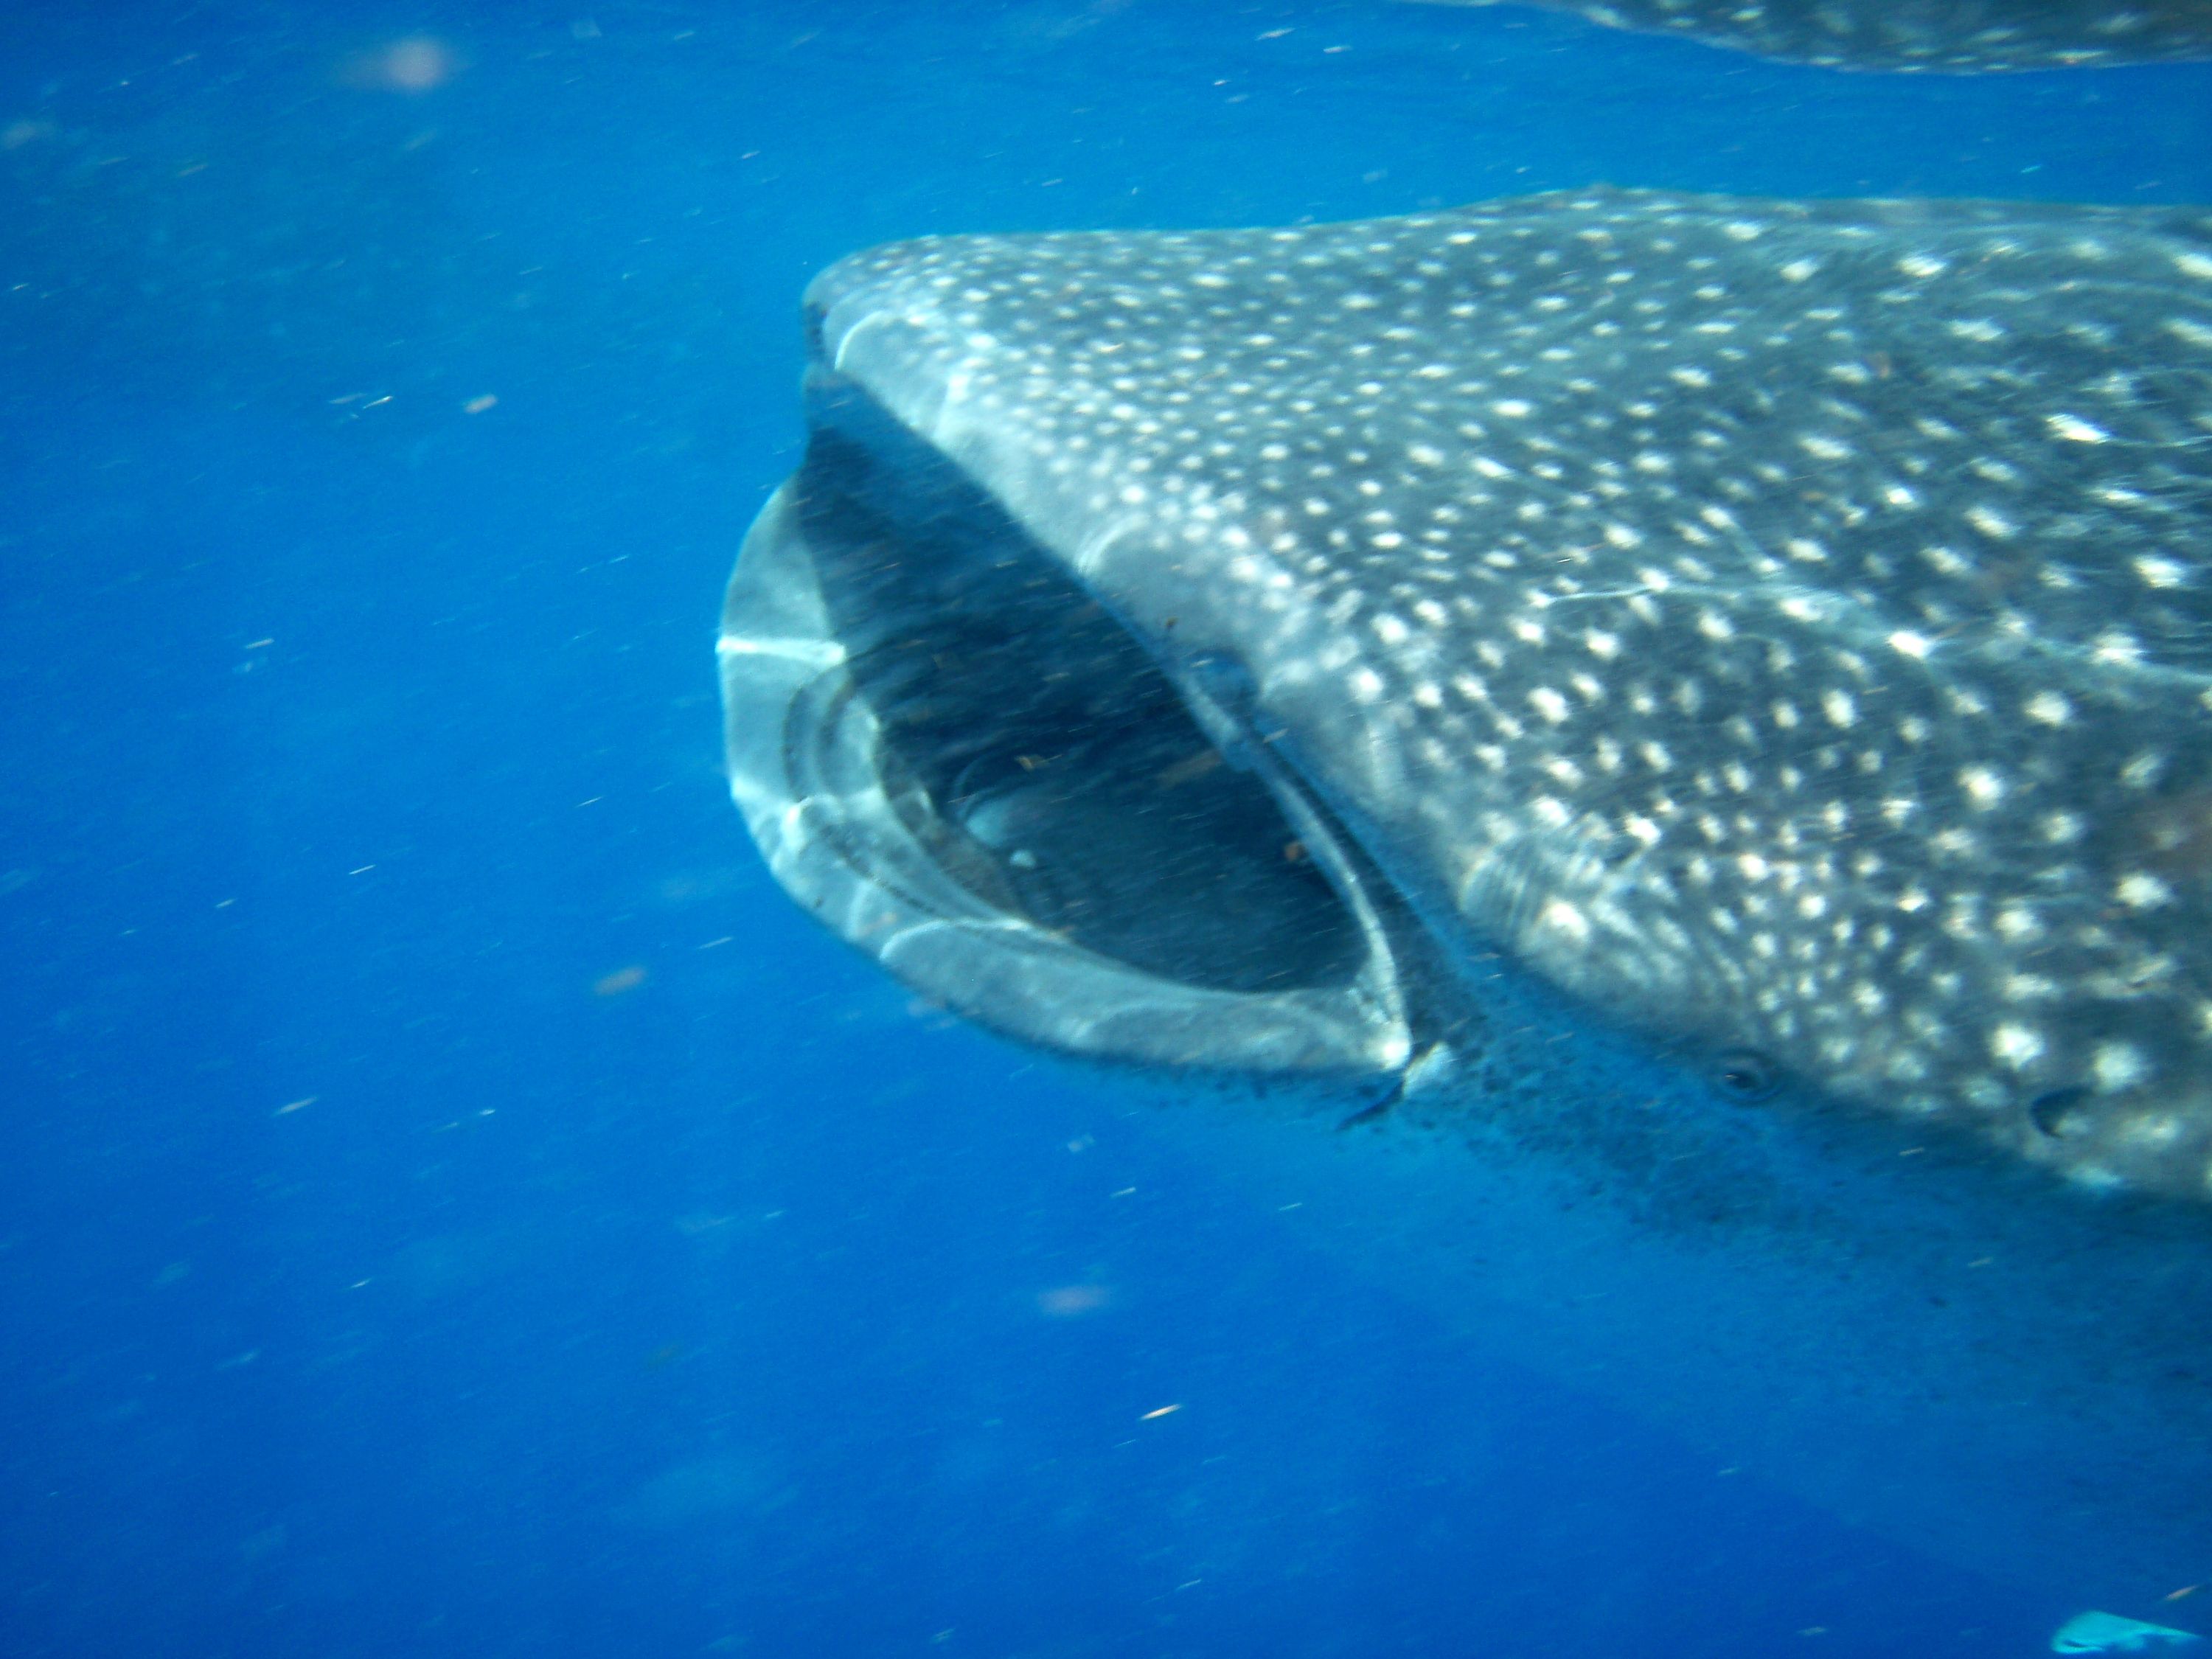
{"x": 1782, "y": 630}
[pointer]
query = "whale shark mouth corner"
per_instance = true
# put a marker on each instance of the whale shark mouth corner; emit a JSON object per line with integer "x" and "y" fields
{"x": 962, "y": 761}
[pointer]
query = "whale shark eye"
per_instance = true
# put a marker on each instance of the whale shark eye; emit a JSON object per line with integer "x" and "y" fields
{"x": 1746, "y": 1075}
{"x": 2058, "y": 1111}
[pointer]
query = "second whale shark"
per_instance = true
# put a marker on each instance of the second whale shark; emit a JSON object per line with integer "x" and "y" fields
{"x": 1954, "y": 37}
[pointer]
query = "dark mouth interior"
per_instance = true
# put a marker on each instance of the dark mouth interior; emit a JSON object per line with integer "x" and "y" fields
{"x": 1036, "y": 750}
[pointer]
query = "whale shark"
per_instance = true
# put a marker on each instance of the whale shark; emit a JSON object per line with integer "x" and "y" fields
{"x": 1645, "y": 759}
{"x": 1959, "y": 37}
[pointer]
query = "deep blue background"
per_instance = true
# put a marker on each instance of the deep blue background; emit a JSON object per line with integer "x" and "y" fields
{"x": 639, "y": 1275}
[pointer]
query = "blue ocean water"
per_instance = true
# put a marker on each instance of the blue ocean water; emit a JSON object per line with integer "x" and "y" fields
{"x": 450, "y": 1202}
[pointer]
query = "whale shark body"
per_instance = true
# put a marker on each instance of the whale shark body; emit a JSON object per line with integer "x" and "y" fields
{"x": 1680, "y": 727}
{"x": 1956, "y": 37}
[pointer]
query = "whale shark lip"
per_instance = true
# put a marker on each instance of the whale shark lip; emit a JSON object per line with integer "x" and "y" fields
{"x": 963, "y": 763}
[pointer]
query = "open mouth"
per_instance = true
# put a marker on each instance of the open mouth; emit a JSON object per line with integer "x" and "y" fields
{"x": 967, "y": 765}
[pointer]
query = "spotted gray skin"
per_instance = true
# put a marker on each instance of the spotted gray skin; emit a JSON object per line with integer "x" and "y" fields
{"x": 1941, "y": 36}
{"x": 1782, "y": 627}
